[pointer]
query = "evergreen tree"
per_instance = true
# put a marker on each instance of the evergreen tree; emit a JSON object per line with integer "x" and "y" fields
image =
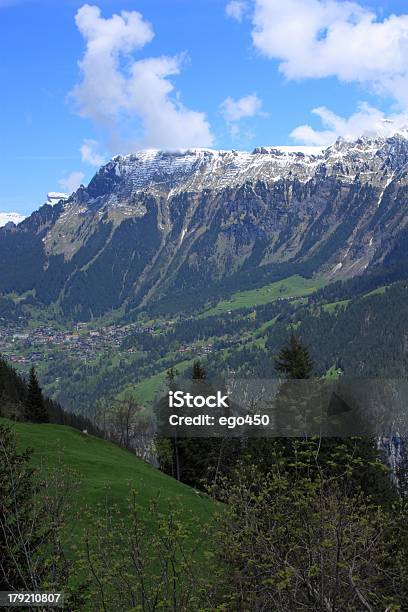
{"x": 294, "y": 360}
{"x": 31, "y": 522}
{"x": 198, "y": 372}
{"x": 171, "y": 376}
{"x": 35, "y": 408}
{"x": 167, "y": 448}
{"x": 294, "y": 399}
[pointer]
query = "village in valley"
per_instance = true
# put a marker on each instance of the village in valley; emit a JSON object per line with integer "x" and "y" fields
{"x": 24, "y": 346}
{"x": 29, "y": 346}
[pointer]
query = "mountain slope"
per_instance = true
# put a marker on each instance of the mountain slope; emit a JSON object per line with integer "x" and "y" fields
{"x": 156, "y": 224}
{"x": 106, "y": 474}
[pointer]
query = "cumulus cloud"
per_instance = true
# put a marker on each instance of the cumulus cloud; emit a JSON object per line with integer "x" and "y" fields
{"x": 235, "y": 110}
{"x": 323, "y": 38}
{"x": 118, "y": 90}
{"x": 315, "y": 39}
{"x": 236, "y": 9}
{"x": 71, "y": 182}
{"x": 90, "y": 154}
{"x": 368, "y": 121}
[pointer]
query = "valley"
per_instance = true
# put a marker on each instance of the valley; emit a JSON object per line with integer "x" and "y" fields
{"x": 204, "y": 306}
{"x": 165, "y": 258}
{"x": 89, "y": 364}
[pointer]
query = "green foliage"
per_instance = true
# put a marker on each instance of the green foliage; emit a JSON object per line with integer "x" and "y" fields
{"x": 31, "y": 519}
{"x": 12, "y": 391}
{"x": 304, "y": 536}
{"x": 349, "y": 337}
{"x": 300, "y": 534}
{"x": 21, "y": 401}
{"x": 135, "y": 564}
{"x": 195, "y": 461}
{"x": 198, "y": 372}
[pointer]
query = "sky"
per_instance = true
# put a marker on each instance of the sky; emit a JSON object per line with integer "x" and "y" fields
{"x": 82, "y": 82}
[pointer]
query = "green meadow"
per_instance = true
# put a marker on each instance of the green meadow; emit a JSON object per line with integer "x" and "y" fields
{"x": 294, "y": 286}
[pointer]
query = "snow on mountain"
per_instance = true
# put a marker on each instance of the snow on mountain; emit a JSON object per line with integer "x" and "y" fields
{"x": 12, "y": 217}
{"x": 119, "y": 187}
{"x": 147, "y": 222}
{"x": 200, "y": 169}
{"x": 53, "y": 197}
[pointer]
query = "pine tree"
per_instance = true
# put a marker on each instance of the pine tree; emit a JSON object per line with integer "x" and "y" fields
{"x": 167, "y": 447}
{"x": 35, "y": 409}
{"x": 31, "y": 522}
{"x": 171, "y": 377}
{"x": 198, "y": 372}
{"x": 294, "y": 399}
{"x": 294, "y": 360}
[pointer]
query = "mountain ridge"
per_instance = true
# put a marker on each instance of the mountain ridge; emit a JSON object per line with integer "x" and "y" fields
{"x": 152, "y": 223}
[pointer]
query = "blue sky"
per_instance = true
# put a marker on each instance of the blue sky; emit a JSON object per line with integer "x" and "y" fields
{"x": 181, "y": 73}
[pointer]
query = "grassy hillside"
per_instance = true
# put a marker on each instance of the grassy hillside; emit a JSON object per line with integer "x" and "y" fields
{"x": 294, "y": 286}
{"x": 146, "y": 390}
{"x": 106, "y": 473}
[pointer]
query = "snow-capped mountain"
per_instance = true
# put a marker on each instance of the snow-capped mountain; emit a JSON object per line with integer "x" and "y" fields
{"x": 53, "y": 197}
{"x": 198, "y": 169}
{"x": 12, "y": 217}
{"x": 156, "y": 223}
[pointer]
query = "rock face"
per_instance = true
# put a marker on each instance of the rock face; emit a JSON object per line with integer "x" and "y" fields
{"x": 159, "y": 222}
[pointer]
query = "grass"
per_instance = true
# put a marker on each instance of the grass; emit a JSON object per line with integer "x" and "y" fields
{"x": 294, "y": 286}
{"x": 145, "y": 391}
{"x": 334, "y": 305}
{"x": 106, "y": 477}
{"x": 333, "y": 373}
{"x": 107, "y": 473}
{"x": 378, "y": 291}
{"x": 344, "y": 303}
{"x": 267, "y": 325}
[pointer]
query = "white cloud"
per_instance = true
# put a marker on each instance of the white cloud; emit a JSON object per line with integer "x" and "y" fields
{"x": 12, "y": 217}
{"x": 235, "y": 110}
{"x": 167, "y": 123}
{"x": 315, "y": 39}
{"x": 236, "y": 9}
{"x": 118, "y": 91}
{"x": 71, "y": 182}
{"x": 90, "y": 154}
{"x": 323, "y": 38}
{"x": 366, "y": 121}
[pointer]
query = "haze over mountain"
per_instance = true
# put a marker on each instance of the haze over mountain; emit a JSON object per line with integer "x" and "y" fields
{"x": 156, "y": 223}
